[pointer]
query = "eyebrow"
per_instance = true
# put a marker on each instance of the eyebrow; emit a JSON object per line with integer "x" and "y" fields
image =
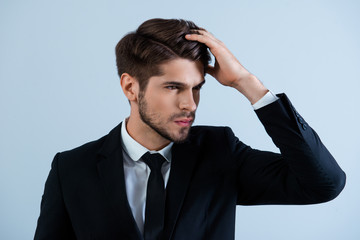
{"x": 180, "y": 84}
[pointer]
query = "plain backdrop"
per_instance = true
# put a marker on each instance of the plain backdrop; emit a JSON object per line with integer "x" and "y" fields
{"x": 59, "y": 89}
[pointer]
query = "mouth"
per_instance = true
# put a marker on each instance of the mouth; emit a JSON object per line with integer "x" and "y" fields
{"x": 184, "y": 122}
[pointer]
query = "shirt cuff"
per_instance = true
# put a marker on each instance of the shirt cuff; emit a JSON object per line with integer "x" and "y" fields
{"x": 268, "y": 98}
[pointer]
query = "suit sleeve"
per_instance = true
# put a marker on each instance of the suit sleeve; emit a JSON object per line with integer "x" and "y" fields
{"x": 304, "y": 173}
{"x": 53, "y": 222}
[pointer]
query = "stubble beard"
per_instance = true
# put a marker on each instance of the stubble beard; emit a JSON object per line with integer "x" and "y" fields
{"x": 152, "y": 120}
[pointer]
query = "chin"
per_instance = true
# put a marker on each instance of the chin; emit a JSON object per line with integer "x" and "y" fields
{"x": 182, "y": 137}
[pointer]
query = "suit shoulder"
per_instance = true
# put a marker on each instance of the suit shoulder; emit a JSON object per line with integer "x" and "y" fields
{"x": 88, "y": 153}
{"x": 210, "y": 132}
{"x": 86, "y": 148}
{"x": 81, "y": 156}
{"x": 203, "y": 129}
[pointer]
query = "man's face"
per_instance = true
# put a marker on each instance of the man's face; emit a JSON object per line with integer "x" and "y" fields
{"x": 169, "y": 101}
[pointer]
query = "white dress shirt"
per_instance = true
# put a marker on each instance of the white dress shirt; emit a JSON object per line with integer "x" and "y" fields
{"x": 268, "y": 98}
{"x": 137, "y": 172}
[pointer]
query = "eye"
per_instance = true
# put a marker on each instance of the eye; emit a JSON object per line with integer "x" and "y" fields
{"x": 172, "y": 87}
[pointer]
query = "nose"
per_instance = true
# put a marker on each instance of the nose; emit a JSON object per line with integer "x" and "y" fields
{"x": 188, "y": 102}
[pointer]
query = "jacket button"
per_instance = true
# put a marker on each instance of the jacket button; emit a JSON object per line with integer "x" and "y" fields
{"x": 300, "y": 120}
{"x": 304, "y": 126}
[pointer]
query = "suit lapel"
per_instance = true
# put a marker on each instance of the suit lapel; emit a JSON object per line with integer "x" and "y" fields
{"x": 111, "y": 172}
{"x": 184, "y": 157}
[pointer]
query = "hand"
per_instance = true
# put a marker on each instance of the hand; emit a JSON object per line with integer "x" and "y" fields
{"x": 227, "y": 69}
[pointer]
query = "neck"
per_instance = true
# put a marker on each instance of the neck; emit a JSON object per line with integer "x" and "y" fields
{"x": 144, "y": 134}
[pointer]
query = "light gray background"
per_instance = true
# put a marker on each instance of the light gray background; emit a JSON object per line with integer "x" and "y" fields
{"x": 59, "y": 89}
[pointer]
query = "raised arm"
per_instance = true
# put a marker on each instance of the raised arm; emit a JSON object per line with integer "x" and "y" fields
{"x": 305, "y": 172}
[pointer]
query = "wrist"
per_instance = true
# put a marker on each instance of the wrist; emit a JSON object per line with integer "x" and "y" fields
{"x": 251, "y": 87}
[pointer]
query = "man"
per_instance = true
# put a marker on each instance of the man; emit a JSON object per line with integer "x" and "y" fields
{"x": 118, "y": 187}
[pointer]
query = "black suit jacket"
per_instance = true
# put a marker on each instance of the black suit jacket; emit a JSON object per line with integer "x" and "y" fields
{"x": 212, "y": 172}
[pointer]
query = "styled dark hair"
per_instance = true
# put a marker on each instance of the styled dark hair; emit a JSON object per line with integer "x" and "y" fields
{"x": 155, "y": 42}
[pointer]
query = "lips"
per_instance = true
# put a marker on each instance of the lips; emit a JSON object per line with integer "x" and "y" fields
{"x": 185, "y": 122}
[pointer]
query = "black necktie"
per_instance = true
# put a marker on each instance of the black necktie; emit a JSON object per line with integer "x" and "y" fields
{"x": 155, "y": 197}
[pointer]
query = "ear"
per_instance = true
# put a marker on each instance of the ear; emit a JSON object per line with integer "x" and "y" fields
{"x": 130, "y": 86}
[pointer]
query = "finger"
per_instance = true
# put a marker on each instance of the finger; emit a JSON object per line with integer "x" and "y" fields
{"x": 205, "y": 33}
{"x": 210, "y": 35}
{"x": 215, "y": 47}
{"x": 211, "y": 43}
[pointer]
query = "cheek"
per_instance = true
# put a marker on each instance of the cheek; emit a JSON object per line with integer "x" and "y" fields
{"x": 163, "y": 102}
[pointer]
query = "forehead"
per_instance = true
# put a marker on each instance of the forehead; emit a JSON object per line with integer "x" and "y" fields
{"x": 181, "y": 70}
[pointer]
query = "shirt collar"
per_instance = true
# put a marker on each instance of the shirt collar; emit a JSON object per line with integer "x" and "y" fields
{"x": 135, "y": 150}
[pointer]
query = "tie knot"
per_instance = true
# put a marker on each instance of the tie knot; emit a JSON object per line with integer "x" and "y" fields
{"x": 154, "y": 160}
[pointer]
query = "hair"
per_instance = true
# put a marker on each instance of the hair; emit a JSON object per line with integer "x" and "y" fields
{"x": 155, "y": 42}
